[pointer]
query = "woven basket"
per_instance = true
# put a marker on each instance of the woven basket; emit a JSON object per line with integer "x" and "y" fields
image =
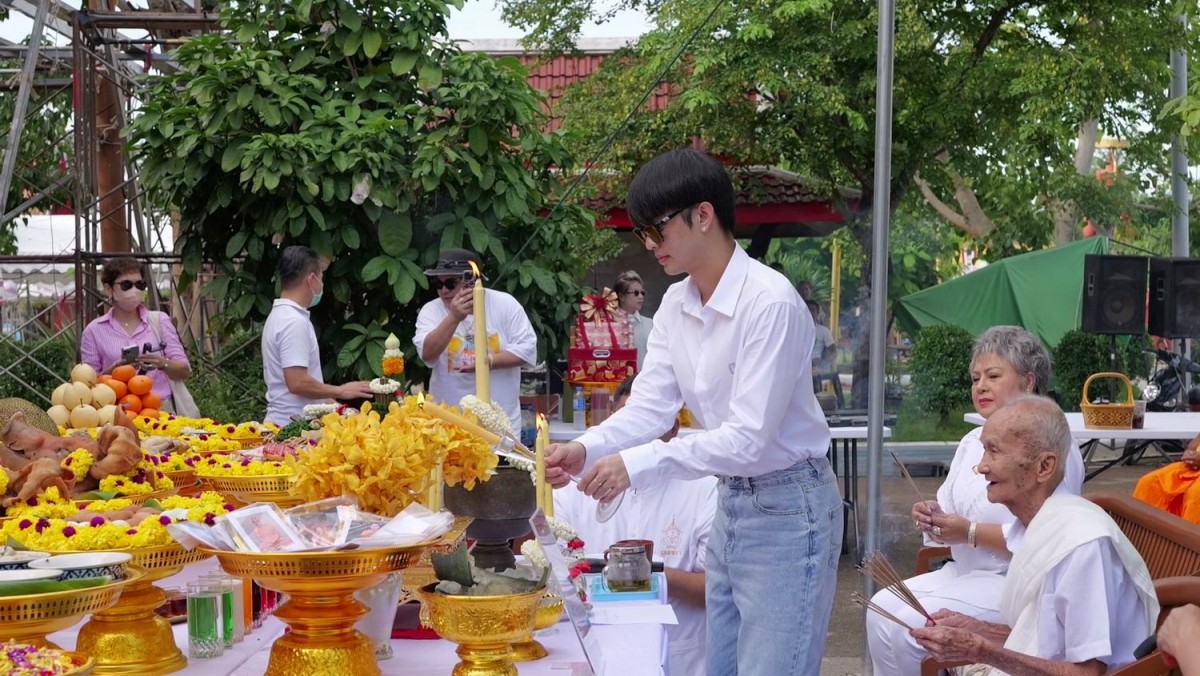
{"x": 1108, "y": 416}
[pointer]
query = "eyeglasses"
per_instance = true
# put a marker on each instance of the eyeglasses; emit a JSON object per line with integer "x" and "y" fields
{"x": 634, "y": 293}
{"x": 450, "y": 284}
{"x": 653, "y": 232}
{"x": 127, "y": 284}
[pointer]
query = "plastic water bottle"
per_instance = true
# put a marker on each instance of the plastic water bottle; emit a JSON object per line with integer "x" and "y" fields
{"x": 579, "y": 410}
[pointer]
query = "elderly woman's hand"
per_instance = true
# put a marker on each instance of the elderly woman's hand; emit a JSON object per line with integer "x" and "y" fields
{"x": 923, "y": 512}
{"x": 949, "y": 529}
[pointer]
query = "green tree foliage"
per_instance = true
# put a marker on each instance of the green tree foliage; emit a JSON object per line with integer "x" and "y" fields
{"x": 360, "y": 130}
{"x": 940, "y": 366}
{"x": 1078, "y": 355}
{"x": 989, "y": 96}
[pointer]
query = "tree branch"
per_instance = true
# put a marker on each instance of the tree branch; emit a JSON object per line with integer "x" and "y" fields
{"x": 973, "y": 220}
{"x": 995, "y": 22}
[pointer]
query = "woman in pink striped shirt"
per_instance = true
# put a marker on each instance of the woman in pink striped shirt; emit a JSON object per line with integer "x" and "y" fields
{"x": 128, "y": 324}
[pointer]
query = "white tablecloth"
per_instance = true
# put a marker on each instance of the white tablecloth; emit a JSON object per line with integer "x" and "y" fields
{"x": 630, "y": 650}
{"x": 1158, "y": 425}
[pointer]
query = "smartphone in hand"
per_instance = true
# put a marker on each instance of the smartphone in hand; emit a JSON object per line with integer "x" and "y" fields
{"x": 129, "y": 354}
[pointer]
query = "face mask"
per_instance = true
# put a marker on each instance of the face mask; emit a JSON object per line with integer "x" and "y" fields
{"x": 128, "y": 301}
{"x": 316, "y": 297}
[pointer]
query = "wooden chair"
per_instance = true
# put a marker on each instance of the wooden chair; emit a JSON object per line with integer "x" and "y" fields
{"x": 1169, "y": 545}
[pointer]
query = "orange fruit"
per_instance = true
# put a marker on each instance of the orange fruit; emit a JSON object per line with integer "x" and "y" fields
{"x": 118, "y": 387}
{"x": 131, "y": 403}
{"x": 152, "y": 401}
{"x": 124, "y": 372}
{"x": 100, "y": 380}
{"x": 140, "y": 385}
{"x": 151, "y": 413}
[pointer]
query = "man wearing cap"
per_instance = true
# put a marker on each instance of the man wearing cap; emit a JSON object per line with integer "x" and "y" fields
{"x": 445, "y": 337}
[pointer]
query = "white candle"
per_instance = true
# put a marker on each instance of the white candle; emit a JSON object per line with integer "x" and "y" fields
{"x": 483, "y": 383}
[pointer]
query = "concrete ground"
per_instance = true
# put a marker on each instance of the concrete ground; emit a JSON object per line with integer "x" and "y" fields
{"x": 845, "y": 647}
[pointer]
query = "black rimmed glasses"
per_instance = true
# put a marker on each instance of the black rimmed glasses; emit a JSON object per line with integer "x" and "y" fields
{"x": 127, "y": 284}
{"x": 634, "y": 293}
{"x": 653, "y": 232}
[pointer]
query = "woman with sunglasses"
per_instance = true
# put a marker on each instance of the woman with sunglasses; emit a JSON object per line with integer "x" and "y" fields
{"x": 129, "y": 323}
{"x": 631, "y": 294}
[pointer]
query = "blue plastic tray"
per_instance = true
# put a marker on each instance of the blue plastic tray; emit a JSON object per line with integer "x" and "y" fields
{"x": 599, "y": 591}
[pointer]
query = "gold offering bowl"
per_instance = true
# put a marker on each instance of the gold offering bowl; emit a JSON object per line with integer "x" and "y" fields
{"x": 129, "y": 637}
{"x": 549, "y": 612}
{"x": 321, "y": 609}
{"x": 484, "y": 627}
{"x": 28, "y": 618}
{"x": 274, "y": 488}
{"x": 421, "y": 573}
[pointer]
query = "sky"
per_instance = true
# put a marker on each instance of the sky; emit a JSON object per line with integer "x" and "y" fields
{"x": 477, "y": 20}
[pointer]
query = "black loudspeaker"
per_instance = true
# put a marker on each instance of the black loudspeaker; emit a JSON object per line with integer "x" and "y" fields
{"x": 1175, "y": 297}
{"x": 1114, "y": 294}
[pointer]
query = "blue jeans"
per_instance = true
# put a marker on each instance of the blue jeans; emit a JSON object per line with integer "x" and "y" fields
{"x": 771, "y": 571}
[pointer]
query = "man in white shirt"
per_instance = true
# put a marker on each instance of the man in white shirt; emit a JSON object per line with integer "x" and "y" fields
{"x": 676, "y": 516}
{"x": 733, "y": 341}
{"x": 291, "y": 356}
{"x": 445, "y": 336}
{"x": 1077, "y": 598}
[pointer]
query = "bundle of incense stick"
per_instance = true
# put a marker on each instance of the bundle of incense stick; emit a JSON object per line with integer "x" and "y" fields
{"x": 877, "y": 567}
{"x": 904, "y": 471}
{"x": 860, "y": 600}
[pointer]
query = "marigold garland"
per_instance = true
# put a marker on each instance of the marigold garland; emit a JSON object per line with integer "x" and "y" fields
{"x": 222, "y": 465}
{"x": 3, "y": 481}
{"x": 80, "y": 462}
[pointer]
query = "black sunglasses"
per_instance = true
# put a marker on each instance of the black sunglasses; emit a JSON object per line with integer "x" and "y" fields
{"x": 653, "y": 232}
{"x": 127, "y": 284}
{"x": 635, "y": 293}
{"x": 437, "y": 283}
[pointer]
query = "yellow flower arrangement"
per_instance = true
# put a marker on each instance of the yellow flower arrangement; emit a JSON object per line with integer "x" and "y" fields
{"x": 177, "y": 462}
{"x": 62, "y": 534}
{"x": 393, "y": 366}
{"x": 235, "y": 465}
{"x": 3, "y": 482}
{"x": 205, "y": 435}
{"x": 80, "y": 461}
{"x": 107, "y": 505}
{"x": 49, "y": 504}
{"x": 386, "y": 462}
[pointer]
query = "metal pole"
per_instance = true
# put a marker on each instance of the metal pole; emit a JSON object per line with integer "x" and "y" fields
{"x": 1180, "y": 246}
{"x": 18, "y": 119}
{"x": 880, "y": 217}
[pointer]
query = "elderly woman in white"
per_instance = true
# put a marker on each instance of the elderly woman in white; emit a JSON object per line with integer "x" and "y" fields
{"x": 1007, "y": 361}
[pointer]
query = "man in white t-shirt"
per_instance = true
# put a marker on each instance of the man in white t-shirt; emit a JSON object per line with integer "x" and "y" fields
{"x": 445, "y": 336}
{"x": 291, "y": 356}
{"x": 676, "y": 515}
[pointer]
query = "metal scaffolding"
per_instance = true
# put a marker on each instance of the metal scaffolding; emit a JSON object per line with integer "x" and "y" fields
{"x": 113, "y": 51}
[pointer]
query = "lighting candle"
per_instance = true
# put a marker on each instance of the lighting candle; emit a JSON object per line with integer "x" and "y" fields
{"x": 483, "y": 382}
{"x": 545, "y": 490}
{"x": 540, "y": 451}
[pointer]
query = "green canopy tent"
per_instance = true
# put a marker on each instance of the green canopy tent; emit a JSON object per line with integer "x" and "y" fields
{"x": 1040, "y": 291}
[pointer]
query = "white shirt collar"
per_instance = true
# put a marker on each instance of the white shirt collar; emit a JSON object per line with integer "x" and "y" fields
{"x": 284, "y": 302}
{"x": 729, "y": 289}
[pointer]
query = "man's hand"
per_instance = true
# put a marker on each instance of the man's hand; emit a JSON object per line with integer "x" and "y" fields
{"x": 1191, "y": 456}
{"x": 359, "y": 389}
{"x": 463, "y": 303}
{"x": 564, "y": 461}
{"x": 1179, "y": 630}
{"x": 949, "y": 644}
{"x": 607, "y": 478}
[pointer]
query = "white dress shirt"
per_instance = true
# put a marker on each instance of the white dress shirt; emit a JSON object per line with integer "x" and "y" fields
{"x": 676, "y": 517}
{"x": 508, "y": 330}
{"x": 288, "y": 340}
{"x": 741, "y": 363}
{"x": 641, "y": 335}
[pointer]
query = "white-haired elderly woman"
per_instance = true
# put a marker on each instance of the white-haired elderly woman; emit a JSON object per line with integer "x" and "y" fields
{"x": 1007, "y": 361}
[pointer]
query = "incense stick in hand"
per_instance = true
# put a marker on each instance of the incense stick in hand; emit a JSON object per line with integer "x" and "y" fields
{"x": 911, "y": 482}
{"x": 877, "y": 567}
{"x": 859, "y": 599}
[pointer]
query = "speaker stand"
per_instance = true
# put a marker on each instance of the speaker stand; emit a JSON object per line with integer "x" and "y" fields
{"x": 1112, "y": 366}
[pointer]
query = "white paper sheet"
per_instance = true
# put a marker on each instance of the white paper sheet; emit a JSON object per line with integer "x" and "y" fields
{"x": 633, "y": 614}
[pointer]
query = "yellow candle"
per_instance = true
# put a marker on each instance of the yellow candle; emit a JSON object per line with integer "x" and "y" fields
{"x": 439, "y": 487}
{"x": 483, "y": 382}
{"x": 545, "y": 490}
{"x": 540, "y": 451}
{"x": 456, "y": 419}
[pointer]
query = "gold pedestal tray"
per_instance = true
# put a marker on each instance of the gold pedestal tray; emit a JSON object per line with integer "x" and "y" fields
{"x": 321, "y": 609}
{"x": 274, "y": 488}
{"x": 484, "y": 627}
{"x": 129, "y": 637}
{"x": 27, "y": 619}
{"x": 549, "y": 611}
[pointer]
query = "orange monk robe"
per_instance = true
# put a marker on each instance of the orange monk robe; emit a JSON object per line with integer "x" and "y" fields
{"x": 1174, "y": 488}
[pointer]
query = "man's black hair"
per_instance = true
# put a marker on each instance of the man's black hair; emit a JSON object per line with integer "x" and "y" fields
{"x": 678, "y": 179}
{"x": 296, "y": 263}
